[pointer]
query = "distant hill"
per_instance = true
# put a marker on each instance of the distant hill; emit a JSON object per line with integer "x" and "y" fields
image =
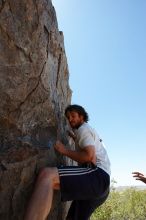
{"x": 122, "y": 188}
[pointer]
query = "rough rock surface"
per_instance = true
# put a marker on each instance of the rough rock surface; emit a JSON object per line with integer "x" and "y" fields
{"x": 34, "y": 92}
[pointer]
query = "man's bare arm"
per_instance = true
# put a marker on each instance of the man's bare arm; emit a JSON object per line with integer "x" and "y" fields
{"x": 87, "y": 154}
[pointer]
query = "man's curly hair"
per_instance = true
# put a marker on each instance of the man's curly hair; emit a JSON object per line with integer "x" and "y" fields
{"x": 79, "y": 109}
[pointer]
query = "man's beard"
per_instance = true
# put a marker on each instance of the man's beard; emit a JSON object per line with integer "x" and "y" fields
{"x": 77, "y": 125}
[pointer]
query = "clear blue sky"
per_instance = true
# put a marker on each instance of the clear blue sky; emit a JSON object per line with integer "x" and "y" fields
{"x": 105, "y": 44}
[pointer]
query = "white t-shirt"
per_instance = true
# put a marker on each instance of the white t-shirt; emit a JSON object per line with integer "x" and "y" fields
{"x": 85, "y": 135}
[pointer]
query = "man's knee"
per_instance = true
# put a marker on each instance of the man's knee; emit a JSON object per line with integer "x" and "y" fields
{"x": 45, "y": 173}
{"x": 49, "y": 174}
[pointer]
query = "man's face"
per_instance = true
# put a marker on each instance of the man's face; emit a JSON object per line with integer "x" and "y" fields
{"x": 75, "y": 119}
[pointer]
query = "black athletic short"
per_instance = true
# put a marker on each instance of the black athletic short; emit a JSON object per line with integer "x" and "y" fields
{"x": 88, "y": 187}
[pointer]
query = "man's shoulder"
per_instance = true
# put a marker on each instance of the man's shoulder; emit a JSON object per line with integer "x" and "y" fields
{"x": 85, "y": 127}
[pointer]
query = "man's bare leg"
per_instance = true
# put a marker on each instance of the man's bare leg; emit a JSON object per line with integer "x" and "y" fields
{"x": 41, "y": 200}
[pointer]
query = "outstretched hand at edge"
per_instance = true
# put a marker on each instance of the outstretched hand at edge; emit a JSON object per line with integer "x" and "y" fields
{"x": 139, "y": 176}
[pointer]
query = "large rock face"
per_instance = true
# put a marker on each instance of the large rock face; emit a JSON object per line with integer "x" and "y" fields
{"x": 34, "y": 92}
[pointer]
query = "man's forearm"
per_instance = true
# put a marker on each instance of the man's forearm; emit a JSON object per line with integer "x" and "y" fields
{"x": 84, "y": 155}
{"x": 79, "y": 156}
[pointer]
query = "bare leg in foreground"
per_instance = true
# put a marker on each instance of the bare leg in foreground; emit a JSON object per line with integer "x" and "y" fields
{"x": 40, "y": 203}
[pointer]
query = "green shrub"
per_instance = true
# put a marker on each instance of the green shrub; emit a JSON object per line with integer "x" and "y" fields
{"x": 129, "y": 204}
